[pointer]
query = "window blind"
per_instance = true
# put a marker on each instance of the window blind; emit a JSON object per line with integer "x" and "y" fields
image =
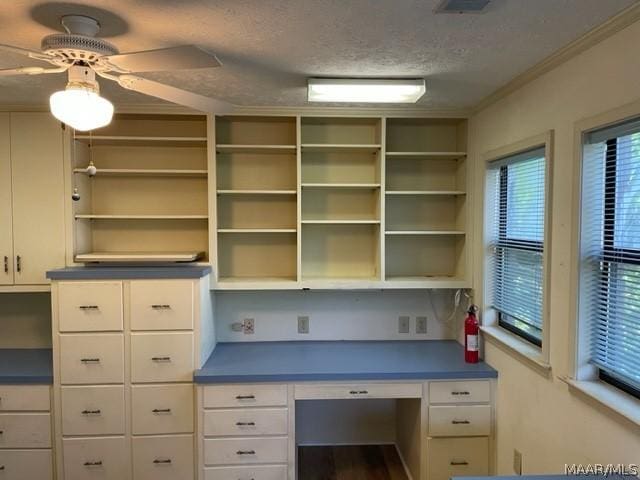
{"x": 518, "y": 242}
{"x": 610, "y": 249}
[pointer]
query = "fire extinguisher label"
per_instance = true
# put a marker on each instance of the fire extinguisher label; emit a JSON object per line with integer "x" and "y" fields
{"x": 472, "y": 343}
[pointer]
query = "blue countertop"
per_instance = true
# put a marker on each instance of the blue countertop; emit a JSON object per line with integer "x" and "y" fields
{"x": 339, "y": 360}
{"x": 127, "y": 273}
{"x": 26, "y": 365}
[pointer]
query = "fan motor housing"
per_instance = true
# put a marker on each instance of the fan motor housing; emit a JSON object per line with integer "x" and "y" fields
{"x": 70, "y": 49}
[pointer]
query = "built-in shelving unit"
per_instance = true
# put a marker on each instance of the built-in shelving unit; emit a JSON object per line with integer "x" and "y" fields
{"x": 340, "y": 202}
{"x": 148, "y": 200}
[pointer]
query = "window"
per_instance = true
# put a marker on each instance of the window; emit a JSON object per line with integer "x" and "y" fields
{"x": 517, "y": 242}
{"x": 610, "y": 253}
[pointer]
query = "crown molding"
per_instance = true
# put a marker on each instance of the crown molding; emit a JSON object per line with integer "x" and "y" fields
{"x": 615, "y": 24}
{"x": 352, "y": 111}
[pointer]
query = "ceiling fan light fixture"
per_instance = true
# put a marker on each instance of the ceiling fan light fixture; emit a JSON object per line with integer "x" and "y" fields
{"x": 355, "y": 90}
{"x": 80, "y": 105}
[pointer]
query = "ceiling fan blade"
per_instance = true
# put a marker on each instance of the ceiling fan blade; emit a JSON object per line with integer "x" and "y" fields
{"x": 6, "y": 72}
{"x": 174, "y": 95}
{"x": 176, "y": 58}
{"x": 29, "y": 53}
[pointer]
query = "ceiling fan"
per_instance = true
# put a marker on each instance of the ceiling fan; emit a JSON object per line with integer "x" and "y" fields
{"x": 83, "y": 56}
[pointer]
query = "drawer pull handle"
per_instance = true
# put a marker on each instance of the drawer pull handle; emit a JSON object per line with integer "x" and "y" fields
{"x": 88, "y": 307}
{"x": 1, "y": 467}
{"x": 159, "y": 461}
{"x": 245, "y": 397}
{"x": 19, "y": 263}
{"x": 461, "y": 393}
{"x": 161, "y": 359}
{"x": 246, "y": 452}
{"x": 161, "y": 307}
{"x": 457, "y": 463}
{"x": 246, "y": 424}
{"x": 90, "y": 360}
{"x": 1, "y": 432}
{"x": 161, "y": 410}
{"x": 460, "y": 422}
{"x": 93, "y": 464}
{"x": 6, "y": 264}
{"x": 91, "y": 412}
{"x": 358, "y": 392}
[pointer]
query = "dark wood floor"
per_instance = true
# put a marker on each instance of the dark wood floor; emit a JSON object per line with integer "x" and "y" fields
{"x": 360, "y": 462}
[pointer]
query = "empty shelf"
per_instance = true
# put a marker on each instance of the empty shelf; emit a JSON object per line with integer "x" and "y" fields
{"x": 257, "y": 230}
{"x": 140, "y": 217}
{"x": 145, "y": 172}
{"x": 142, "y": 140}
{"x": 426, "y": 155}
{"x": 425, "y": 232}
{"x": 425, "y": 192}
{"x": 341, "y": 185}
{"x": 229, "y": 148}
{"x": 320, "y": 147}
{"x": 138, "y": 257}
{"x": 257, "y": 192}
{"x": 341, "y": 222}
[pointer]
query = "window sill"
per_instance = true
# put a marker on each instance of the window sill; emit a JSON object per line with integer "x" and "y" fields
{"x": 608, "y": 396}
{"x": 524, "y": 351}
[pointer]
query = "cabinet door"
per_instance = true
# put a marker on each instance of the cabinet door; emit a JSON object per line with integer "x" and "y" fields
{"x": 38, "y": 196}
{"x": 6, "y": 228}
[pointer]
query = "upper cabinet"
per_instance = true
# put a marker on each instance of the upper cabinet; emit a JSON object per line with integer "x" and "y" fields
{"x": 340, "y": 202}
{"x": 145, "y": 195}
{"x": 32, "y": 232}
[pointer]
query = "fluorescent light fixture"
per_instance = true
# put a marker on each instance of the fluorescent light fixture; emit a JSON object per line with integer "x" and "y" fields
{"x": 80, "y": 105}
{"x": 354, "y": 90}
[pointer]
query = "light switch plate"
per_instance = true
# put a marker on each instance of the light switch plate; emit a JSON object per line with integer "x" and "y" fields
{"x": 303, "y": 324}
{"x": 403, "y": 324}
{"x": 421, "y": 325}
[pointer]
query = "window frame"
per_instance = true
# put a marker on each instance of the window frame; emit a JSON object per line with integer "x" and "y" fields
{"x": 532, "y": 355}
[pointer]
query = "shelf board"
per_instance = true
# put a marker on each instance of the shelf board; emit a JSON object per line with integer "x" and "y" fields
{"x": 256, "y": 283}
{"x": 145, "y": 172}
{"x": 233, "y": 148}
{"x": 425, "y": 232}
{"x": 341, "y": 283}
{"x": 140, "y": 217}
{"x": 257, "y": 230}
{"x": 341, "y": 222}
{"x": 340, "y": 185}
{"x": 257, "y": 192}
{"x": 426, "y": 155}
{"x": 138, "y": 257}
{"x": 340, "y": 148}
{"x": 406, "y": 282}
{"x": 143, "y": 140}
{"x": 426, "y": 192}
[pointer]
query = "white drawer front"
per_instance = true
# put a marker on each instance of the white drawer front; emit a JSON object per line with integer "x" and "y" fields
{"x": 35, "y": 398}
{"x": 224, "y": 396}
{"x": 90, "y": 306}
{"x": 239, "y": 451}
{"x": 25, "y": 430}
{"x": 162, "y": 305}
{"x": 457, "y": 457}
{"x": 26, "y": 465}
{"x": 460, "y": 392}
{"x": 258, "y": 472}
{"x": 92, "y": 359}
{"x": 358, "y": 390}
{"x": 245, "y": 422}
{"x": 96, "y": 410}
{"x": 163, "y": 458}
{"x": 162, "y": 409}
{"x": 96, "y": 458}
{"x": 459, "y": 421}
{"x": 162, "y": 357}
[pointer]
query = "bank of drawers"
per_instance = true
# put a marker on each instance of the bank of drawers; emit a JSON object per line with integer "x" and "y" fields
{"x": 101, "y": 390}
{"x": 460, "y": 423}
{"x": 246, "y": 432}
{"x": 25, "y": 432}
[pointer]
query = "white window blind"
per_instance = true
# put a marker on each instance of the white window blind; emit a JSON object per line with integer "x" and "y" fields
{"x": 517, "y": 242}
{"x": 610, "y": 249}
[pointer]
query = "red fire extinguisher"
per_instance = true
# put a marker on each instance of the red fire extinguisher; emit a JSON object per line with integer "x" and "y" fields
{"x": 471, "y": 331}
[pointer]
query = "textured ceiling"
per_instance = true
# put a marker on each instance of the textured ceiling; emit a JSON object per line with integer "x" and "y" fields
{"x": 270, "y": 47}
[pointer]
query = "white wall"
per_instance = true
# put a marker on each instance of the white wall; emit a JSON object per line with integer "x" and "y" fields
{"x": 25, "y": 320}
{"x": 334, "y": 315}
{"x": 537, "y": 415}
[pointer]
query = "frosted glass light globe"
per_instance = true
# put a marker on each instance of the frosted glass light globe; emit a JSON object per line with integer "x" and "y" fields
{"x": 81, "y": 108}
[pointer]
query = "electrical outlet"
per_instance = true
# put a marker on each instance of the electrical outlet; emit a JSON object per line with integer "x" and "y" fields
{"x": 237, "y": 327}
{"x": 303, "y": 324}
{"x": 249, "y": 325}
{"x": 517, "y": 462}
{"x": 421, "y": 324}
{"x": 403, "y": 324}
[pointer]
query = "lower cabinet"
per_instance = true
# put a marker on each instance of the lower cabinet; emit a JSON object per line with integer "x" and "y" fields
{"x": 25, "y": 432}
{"x": 264, "y": 472}
{"x": 96, "y": 458}
{"x": 163, "y": 457}
{"x": 457, "y": 457}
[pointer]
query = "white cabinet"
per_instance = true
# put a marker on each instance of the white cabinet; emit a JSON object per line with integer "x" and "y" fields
{"x": 32, "y": 234}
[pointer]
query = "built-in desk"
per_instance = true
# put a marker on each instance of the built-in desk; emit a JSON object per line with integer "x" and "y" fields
{"x": 26, "y": 366}
{"x": 247, "y": 395}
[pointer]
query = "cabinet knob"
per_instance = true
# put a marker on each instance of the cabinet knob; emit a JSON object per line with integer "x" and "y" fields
{"x": 1, "y": 467}
{"x": 97, "y": 463}
{"x": 164, "y": 461}
{"x": 246, "y": 452}
{"x": 6, "y": 264}
{"x": 19, "y": 263}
